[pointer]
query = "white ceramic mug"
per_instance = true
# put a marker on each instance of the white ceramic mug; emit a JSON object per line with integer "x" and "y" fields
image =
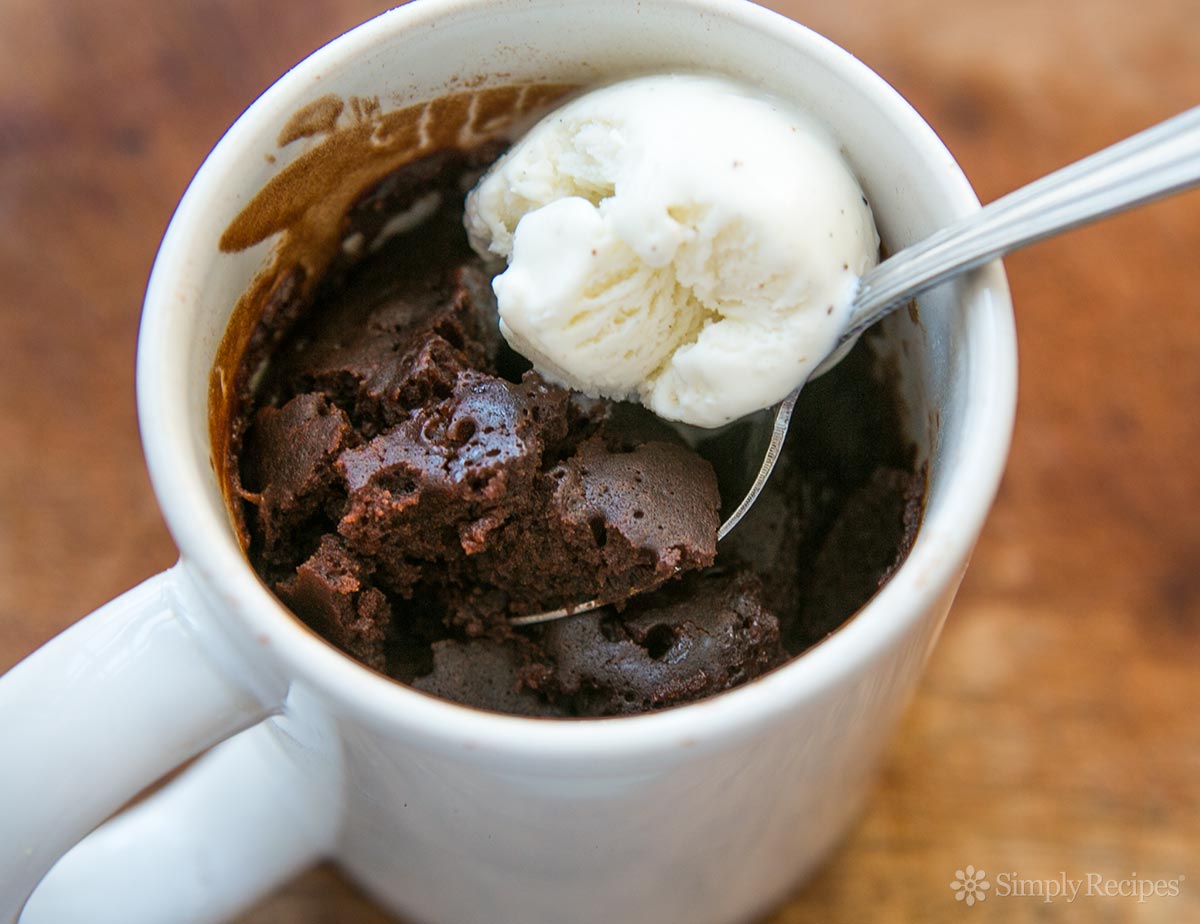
{"x": 710, "y": 812}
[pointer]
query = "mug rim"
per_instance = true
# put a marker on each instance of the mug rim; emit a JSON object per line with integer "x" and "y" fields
{"x": 933, "y": 564}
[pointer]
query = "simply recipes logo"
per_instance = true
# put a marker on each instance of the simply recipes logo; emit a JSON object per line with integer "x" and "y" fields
{"x": 972, "y": 886}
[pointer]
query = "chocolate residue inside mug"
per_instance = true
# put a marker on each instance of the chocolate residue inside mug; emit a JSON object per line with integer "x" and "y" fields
{"x": 305, "y": 207}
{"x": 317, "y": 118}
{"x": 380, "y": 331}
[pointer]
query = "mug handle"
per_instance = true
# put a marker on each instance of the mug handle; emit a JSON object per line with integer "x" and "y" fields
{"x": 101, "y": 712}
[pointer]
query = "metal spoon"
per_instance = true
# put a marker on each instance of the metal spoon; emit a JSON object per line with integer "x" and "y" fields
{"x": 1157, "y": 162}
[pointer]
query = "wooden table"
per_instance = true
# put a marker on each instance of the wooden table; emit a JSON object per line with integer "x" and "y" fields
{"x": 1056, "y": 730}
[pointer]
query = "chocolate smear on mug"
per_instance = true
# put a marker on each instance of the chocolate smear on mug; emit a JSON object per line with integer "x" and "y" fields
{"x": 304, "y": 207}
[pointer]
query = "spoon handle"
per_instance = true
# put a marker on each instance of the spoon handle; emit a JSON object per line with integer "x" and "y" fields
{"x": 1156, "y": 162}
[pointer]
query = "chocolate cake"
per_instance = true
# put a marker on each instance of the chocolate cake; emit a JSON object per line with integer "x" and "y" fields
{"x": 407, "y": 484}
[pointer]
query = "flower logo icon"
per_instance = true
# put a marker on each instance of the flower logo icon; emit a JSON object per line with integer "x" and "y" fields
{"x": 970, "y": 885}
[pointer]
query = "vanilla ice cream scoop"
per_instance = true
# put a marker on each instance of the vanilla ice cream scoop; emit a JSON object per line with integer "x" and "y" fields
{"x": 681, "y": 240}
